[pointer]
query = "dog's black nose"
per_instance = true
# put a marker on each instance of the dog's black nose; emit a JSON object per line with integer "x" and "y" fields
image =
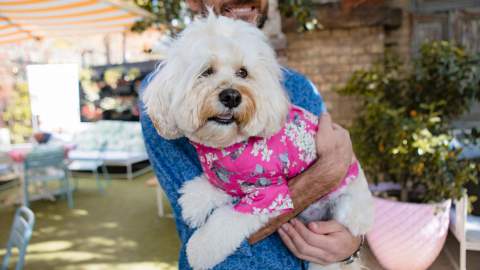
{"x": 231, "y": 98}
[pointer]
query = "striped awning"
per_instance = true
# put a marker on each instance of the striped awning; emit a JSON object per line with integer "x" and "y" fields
{"x": 37, "y": 19}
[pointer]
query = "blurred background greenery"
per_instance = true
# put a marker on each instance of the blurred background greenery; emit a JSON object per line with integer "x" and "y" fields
{"x": 404, "y": 133}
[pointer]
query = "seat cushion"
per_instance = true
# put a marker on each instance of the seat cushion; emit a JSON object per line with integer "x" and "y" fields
{"x": 85, "y": 165}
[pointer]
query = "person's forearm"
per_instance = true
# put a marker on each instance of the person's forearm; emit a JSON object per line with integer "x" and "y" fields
{"x": 305, "y": 189}
{"x": 314, "y": 183}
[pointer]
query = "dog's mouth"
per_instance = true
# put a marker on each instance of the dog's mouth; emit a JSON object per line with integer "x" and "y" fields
{"x": 223, "y": 119}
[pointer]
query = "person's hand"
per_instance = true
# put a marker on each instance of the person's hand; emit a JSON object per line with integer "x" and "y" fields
{"x": 334, "y": 147}
{"x": 321, "y": 242}
{"x": 335, "y": 154}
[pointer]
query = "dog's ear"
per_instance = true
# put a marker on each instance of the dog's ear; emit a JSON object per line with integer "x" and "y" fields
{"x": 157, "y": 98}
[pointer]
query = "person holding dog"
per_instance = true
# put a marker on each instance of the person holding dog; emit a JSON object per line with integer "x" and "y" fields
{"x": 175, "y": 162}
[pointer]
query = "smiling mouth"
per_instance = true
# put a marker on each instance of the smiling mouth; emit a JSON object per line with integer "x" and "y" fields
{"x": 246, "y": 13}
{"x": 223, "y": 119}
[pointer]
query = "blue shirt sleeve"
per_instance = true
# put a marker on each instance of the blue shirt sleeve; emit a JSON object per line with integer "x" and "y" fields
{"x": 302, "y": 92}
{"x": 175, "y": 161}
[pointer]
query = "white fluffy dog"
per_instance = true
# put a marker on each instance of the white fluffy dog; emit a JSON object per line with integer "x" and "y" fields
{"x": 220, "y": 86}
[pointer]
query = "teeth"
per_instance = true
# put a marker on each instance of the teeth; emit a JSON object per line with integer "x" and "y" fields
{"x": 225, "y": 116}
{"x": 242, "y": 9}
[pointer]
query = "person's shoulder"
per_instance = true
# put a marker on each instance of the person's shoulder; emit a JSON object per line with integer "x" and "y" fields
{"x": 297, "y": 83}
{"x": 302, "y": 91}
{"x": 292, "y": 76}
{"x": 149, "y": 77}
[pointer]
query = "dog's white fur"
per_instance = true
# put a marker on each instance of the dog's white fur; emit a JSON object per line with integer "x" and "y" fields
{"x": 180, "y": 101}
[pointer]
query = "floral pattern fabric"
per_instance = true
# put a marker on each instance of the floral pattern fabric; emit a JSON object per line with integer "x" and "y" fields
{"x": 255, "y": 172}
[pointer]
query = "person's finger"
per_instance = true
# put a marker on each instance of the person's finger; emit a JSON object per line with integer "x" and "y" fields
{"x": 289, "y": 243}
{"x": 325, "y": 136}
{"x": 341, "y": 132}
{"x": 337, "y": 126}
{"x": 325, "y": 227}
{"x": 312, "y": 238}
{"x": 302, "y": 246}
{"x": 325, "y": 122}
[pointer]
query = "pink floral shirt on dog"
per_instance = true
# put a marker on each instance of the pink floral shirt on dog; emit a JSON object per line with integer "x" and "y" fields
{"x": 255, "y": 172}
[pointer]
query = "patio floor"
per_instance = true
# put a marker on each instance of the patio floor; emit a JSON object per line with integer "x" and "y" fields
{"x": 117, "y": 230}
{"x": 121, "y": 230}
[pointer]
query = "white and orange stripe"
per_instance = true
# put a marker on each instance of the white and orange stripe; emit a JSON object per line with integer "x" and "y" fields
{"x": 27, "y": 19}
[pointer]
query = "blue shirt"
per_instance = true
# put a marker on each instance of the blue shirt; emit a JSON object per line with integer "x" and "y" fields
{"x": 175, "y": 161}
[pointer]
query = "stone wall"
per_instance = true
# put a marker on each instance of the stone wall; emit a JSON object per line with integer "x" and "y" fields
{"x": 329, "y": 57}
{"x": 399, "y": 39}
{"x": 349, "y": 41}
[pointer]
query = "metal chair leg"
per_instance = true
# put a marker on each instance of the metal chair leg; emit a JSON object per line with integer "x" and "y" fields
{"x": 68, "y": 190}
{"x": 463, "y": 257}
{"x": 21, "y": 259}
{"x": 129, "y": 172}
{"x": 105, "y": 173}
{"x": 26, "y": 200}
{"x": 7, "y": 256}
{"x": 100, "y": 187}
{"x": 161, "y": 210}
{"x": 76, "y": 182}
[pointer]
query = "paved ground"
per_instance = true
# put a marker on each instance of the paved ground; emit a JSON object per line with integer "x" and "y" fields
{"x": 121, "y": 230}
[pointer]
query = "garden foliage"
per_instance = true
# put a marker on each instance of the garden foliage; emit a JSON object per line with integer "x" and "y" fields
{"x": 404, "y": 133}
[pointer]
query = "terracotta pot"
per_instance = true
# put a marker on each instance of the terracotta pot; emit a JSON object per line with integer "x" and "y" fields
{"x": 408, "y": 236}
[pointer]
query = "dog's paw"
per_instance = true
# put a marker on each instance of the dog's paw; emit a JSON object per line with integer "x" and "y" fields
{"x": 221, "y": 236}
{"x": 205, "y": 250}
{"x": 198, "y": 252}
{"x": 199, "y": 198}
{"x": 193, "y": 217}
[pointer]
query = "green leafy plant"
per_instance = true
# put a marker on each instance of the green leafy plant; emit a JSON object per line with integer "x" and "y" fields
{"x": 172, "y": 15}
{"x": 168, "y": 15}
{"x": 403, "y": 133}
{"x": 301, "y": 10}
{"x": 18, "y": 115}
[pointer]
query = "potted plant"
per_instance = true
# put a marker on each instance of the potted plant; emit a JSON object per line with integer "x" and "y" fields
{"x": 403, "y": 138}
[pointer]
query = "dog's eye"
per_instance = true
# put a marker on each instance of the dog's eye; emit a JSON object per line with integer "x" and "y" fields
{"x": 209, "y": 71}
{"x": 242, "y": 73}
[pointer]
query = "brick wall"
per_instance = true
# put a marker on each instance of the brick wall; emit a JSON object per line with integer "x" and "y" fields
{"x": 329, "y": 57}
{"x": 399, "y": 39}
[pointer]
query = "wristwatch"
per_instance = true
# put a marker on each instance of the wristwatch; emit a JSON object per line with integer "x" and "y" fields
{"x": 356, "y": 254}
